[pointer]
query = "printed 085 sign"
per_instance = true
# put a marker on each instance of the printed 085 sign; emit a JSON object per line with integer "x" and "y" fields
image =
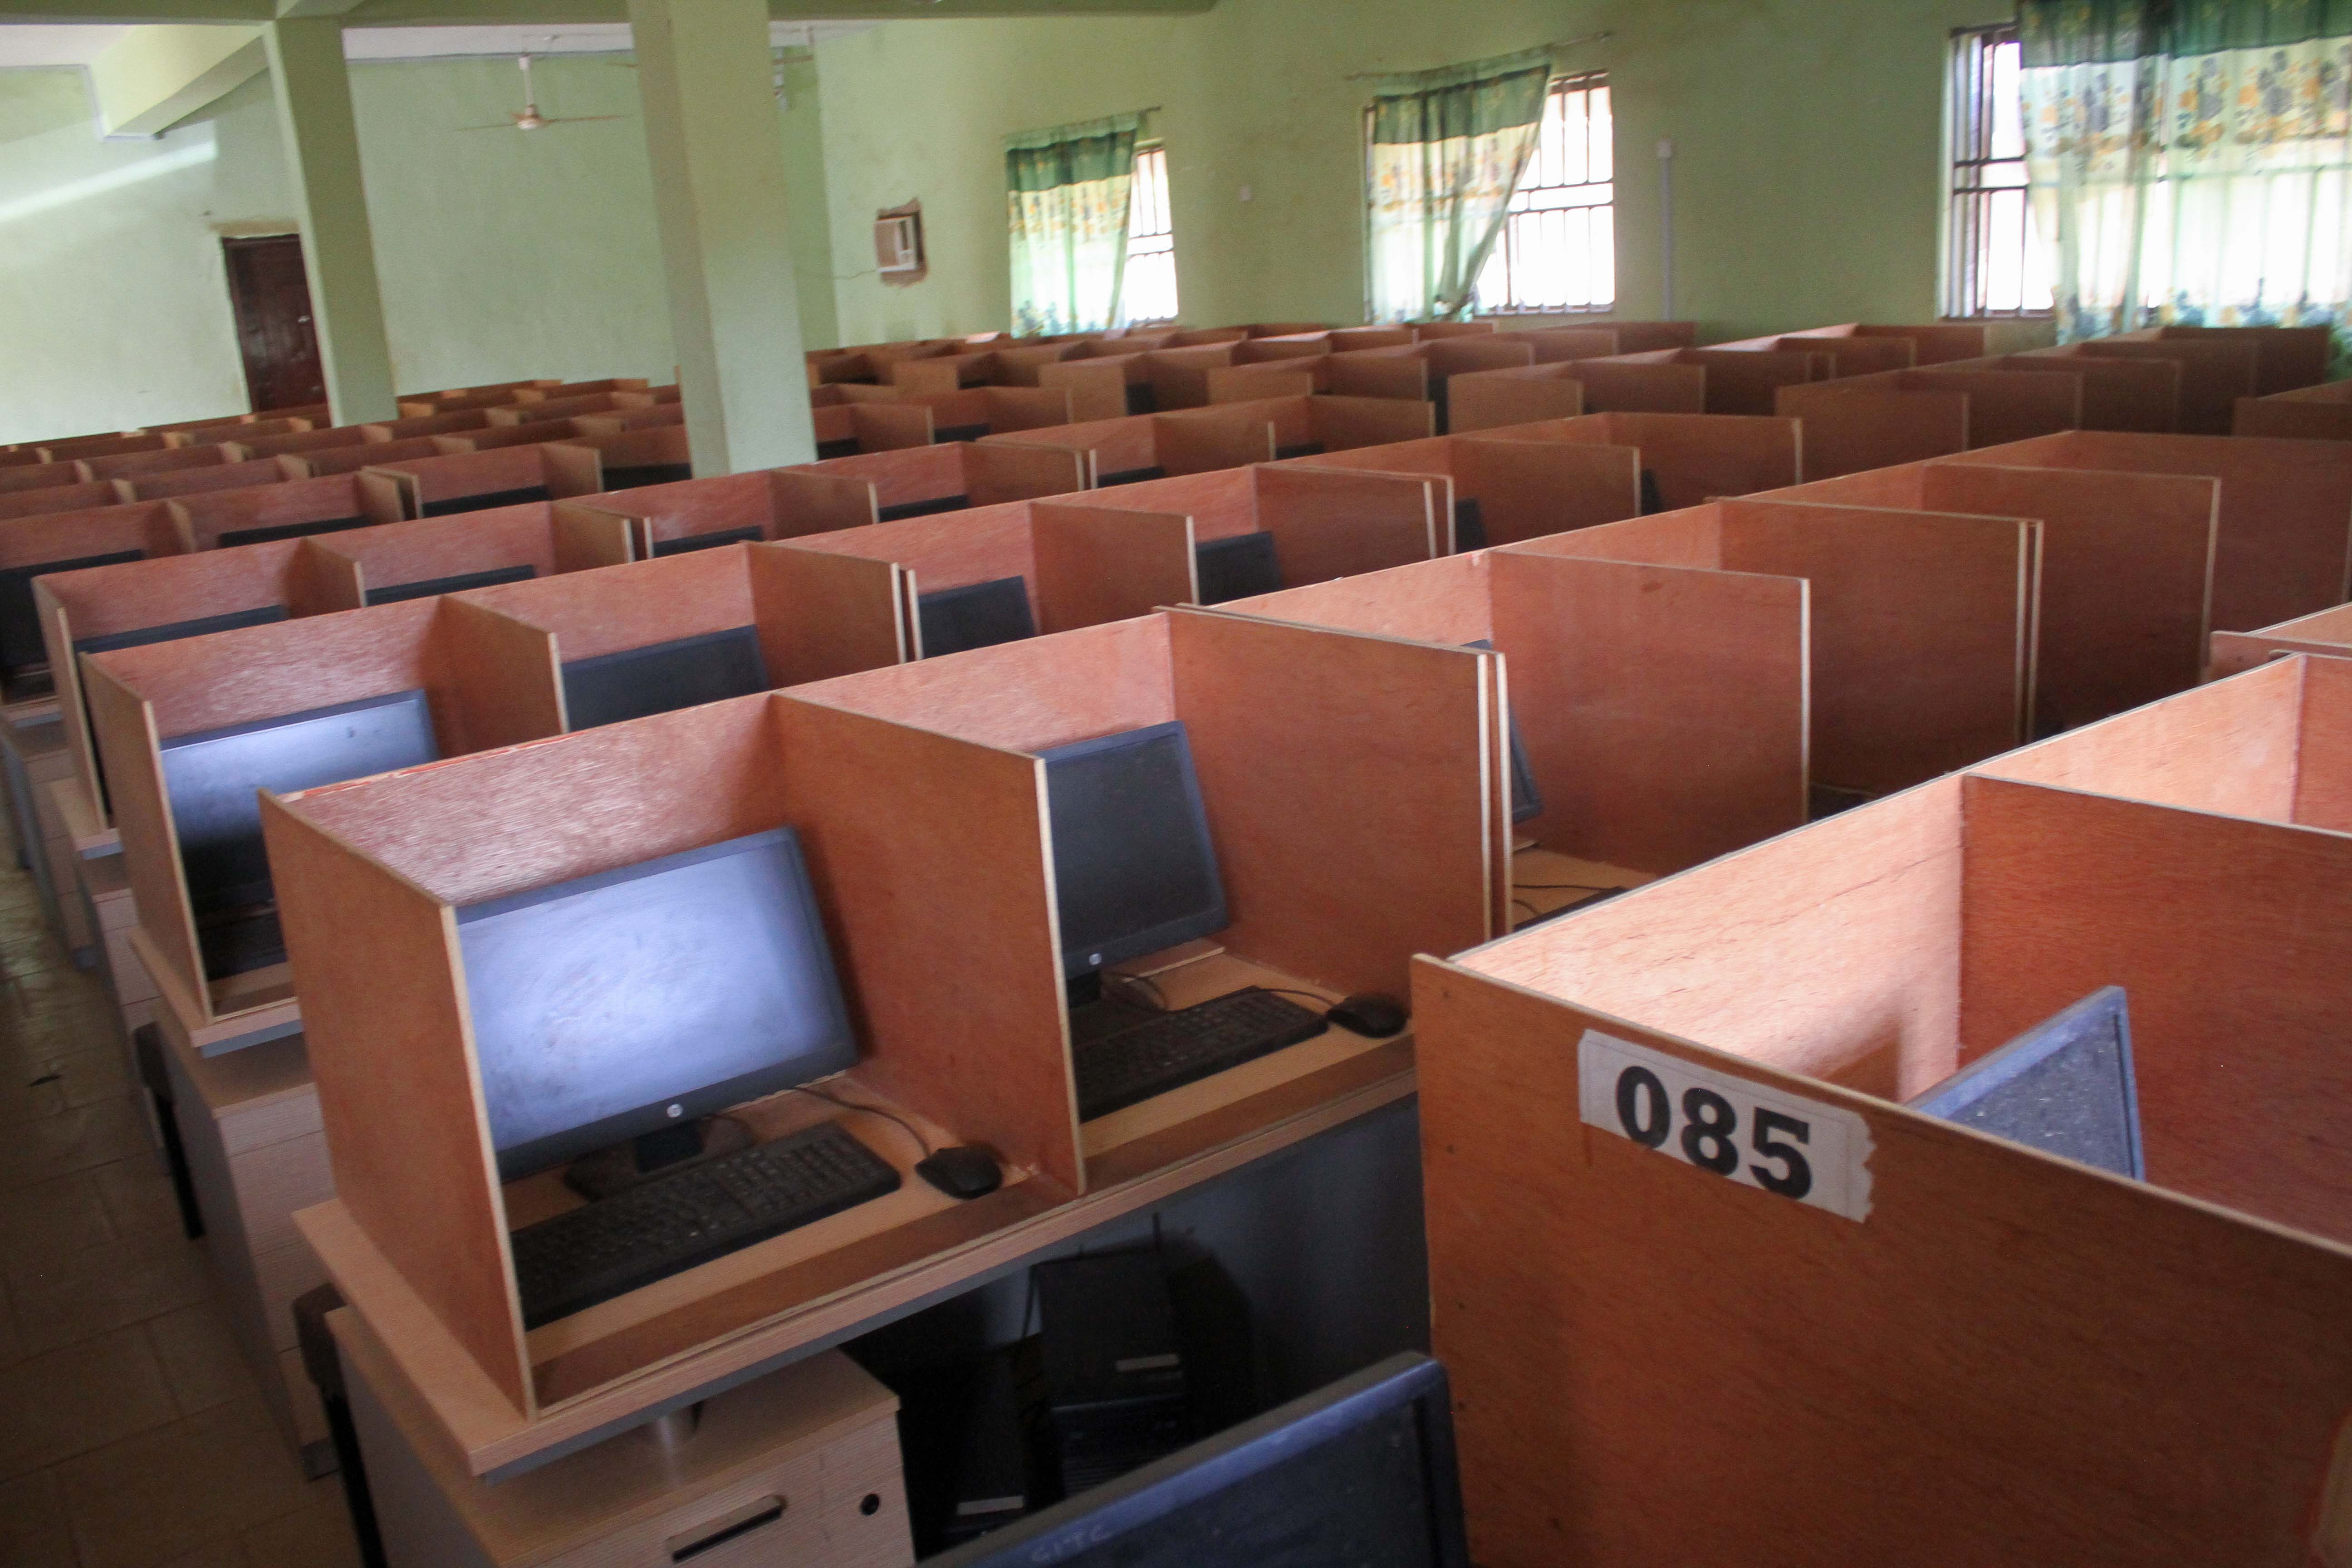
{"x": 1726, "y": 1126}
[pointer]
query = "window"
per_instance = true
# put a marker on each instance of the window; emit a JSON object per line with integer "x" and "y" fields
{"x": 1149, "y": 292}
{"x": 1559, "y": 246}
{"x": 1995, "y": 261}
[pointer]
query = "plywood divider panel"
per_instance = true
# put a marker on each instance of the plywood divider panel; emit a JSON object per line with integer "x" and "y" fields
{"x": 1526, "y": 490}
{"x": 1330, "y": 522}
{"x": 1095, "y": 563}
{"x": 822, "y": 613}
{"x": 296, "y": 441}
{"x": 326, "y": 582}
{"x": 423, "y": 425}
{"x": 884, "y": 425}
{"x": 2126, "y": 578}
{"x": 1923, "y": 632}
{"x": 1243, "y": 383}
{"x": 1848, "y": 429}
{"x": 62, "y": 497}
{"x": 2322, "y": 785}
{"x": 1203, "y": 443}
{"x": 1341, "y": 887}
{"x": 801, "y": 502}
{"x": 2213, "y": 376}
{"x": 1749, "y": 383}
{"x": 1379, "y": 373}
{"x": 2328, "y": 633}
{"x": 204, "y": 518}
{"x": 38, "y": 475}
{"x": 127, "y": 738}
{"x": 1691, "y": 537}
{"x": 1616, "y": 386}
{"x": 2069, "y": 892}
{"x": 1343, "y": 424}
{"x": 1179, "y": 377}
{"x": 1026, "y": 407}
{"x": 1902, "y": 487}
{"x": 1098, "y": 388}
{"x": 2004, "y": 407}
{"x": 337, "y": 460}
{"x": 718, "y": 505}
{"x": 404, "y": 1118}
{"x": 74, "y": 535}
{"x": 1221, "y": 504}
{"x": 2293, "y": 420}
{"x": 1665, "y": 710}
{"x": 2285, "y": 358}
{"x": 2232, "y": 747}
{"x": 163, "y": 461}
{"x": 920, "y": 376}
{"x": 998, "y": 471}
{"x": 582, "y": 538}
{"x": 1554, "y": 345}
{"x": 2117, "y": 394}
{"x": 950, "y": 550}
{"x": 1486, "y": 399}
{"x": 1023, "y": 695}
{"x": 1450, "y": 356}
{"x": 447, "y": 546}
{"x": 1346, "y": 340}
{"x": 1444, "y": 601}
{"x": 200, "y": 481}
{"x": 497, "y": 681}
{"x": 618, "y": 608}
{"x": 1116, "y": 446}
{"x": 932, "y": 856}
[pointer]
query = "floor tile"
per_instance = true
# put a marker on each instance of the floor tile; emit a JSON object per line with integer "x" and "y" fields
{"x": 70, "y": 1401}
{"x": 201, "y": 1358}
{"x": 72, "y": 1140}
{"x": 102, "y": 1072}
{"x": 12, "y": 1349}
{"x": 139, "y": 1502}
{"x": 319, "y": 1536}
{"x": 62, "y": 1300}
{"x": 33, "y": 1530}
{"x": 138, "y": 1196}
{"x": 53, "y": 1217}
{"x": 24, "y": 1096}
{"x": 228, "y": 1552}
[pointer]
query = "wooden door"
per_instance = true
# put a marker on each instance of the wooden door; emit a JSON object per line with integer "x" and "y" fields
{"x": 271, "y": 297}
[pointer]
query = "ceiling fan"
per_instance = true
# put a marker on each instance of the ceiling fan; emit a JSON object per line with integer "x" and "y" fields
{"x": 531, "y": 118}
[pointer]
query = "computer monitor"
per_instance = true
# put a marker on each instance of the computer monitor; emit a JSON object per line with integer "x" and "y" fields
{"x": 1240, "y": 566}
{"x": 980, "y": 615}
{"x": 20, "y": 620}
{"x": 457, "y": 582}
{"x": 1361, "y": 1473}
{"x": 1527, "y": 801}
{"x": 632, "y": 1001}
{"x": 684, "y": 673}
{"x": 451, "y": 505}
{"x": 2063, "y": 1087}
{"x": 924, "y": 508}
{"x": 1133, "y": 868}
{"x": 1469, "y": 525}
{"x": 690, "y": 542}
{"x": 294, "y": 529}
{"x": 173, "y": 631}
{"x": 638, "y": 476}
{"x": 211, "y": 781}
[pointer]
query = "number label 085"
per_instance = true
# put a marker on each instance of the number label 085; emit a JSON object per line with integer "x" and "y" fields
{"x": 1727, "y": 1126}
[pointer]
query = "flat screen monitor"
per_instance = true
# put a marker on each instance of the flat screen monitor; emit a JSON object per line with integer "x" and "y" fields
{"x": 20, "y": 620}
{"x": 211, "y": 779}
{"x": 457, "y": 582}
{"x": 451, "y": 505}
{"x": 294, "y": 529}
{"x": 2063, "y": 1087}
{"x": 980, "y": 615}
{"x": 685, "y": 673}
{"x": 1469, "y": 525}
{"x": 1361, "y": 1474}
{"x": 638, "y": 476}
{"x": 694, "y": 542}
{"x": 631, "y": 1001}
{"x": 927, "y": 507}
{"x": 1134, "y": 870}
{"x": 173, "y": 631}
{"x": 1527, "y": 801}
{"x": 1241, "y": 566}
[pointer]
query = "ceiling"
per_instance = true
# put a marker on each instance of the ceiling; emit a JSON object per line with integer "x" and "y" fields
{"x": 36, "y": 43}
{"x": 543, "y": 13}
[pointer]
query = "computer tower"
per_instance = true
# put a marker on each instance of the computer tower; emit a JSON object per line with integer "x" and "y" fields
{"x": 1105, "y": 1374}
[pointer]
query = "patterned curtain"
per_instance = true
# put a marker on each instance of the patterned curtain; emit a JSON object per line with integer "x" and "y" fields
{"x": 1068, "y": 194}
{"x": 2191, "y": 158}
{"x": 1448, "y": 148}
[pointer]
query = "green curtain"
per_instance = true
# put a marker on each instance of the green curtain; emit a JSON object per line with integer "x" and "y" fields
{"x": 1069, "y": 190}
{"x": 1448, "y": 148}
{"x": 2190, "y": 157}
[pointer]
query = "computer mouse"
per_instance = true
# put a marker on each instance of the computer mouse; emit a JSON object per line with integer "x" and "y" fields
{"x": 961, "y": 1170}
{"x": 1369, "y": 1013}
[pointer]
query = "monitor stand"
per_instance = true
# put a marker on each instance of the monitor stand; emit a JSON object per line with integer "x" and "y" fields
{"x": 617, "y": 1167}
{"x": 1096, "y": 1013}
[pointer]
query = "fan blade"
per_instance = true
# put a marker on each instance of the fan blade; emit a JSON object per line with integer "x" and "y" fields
{"x": 508, "y": 126}
{"x": 582, "y": 119}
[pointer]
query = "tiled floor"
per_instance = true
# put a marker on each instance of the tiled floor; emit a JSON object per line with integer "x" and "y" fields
{"x": 132, "y": 1434}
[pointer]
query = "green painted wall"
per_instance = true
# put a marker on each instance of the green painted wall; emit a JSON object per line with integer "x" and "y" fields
{"x": 1807, "y": 174}
{"x": 500, "y": 254}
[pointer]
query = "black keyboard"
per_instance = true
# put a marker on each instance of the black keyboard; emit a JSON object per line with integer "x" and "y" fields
{"x": 667, "y": 1224}
{"x": 1171, "y": 1049}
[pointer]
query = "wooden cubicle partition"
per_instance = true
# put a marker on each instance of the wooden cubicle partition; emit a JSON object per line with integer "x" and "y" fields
{"x": 1384, "y": 372}
{"x": 2117, "y": 394}
{"x": 218, "y": 477}
{"x": 1149, "y": 446}
{"x": 139, "y": 595}
{"x": 161, "y": 460}
{"x": 1484, "y": 399}
{"x": 1100, "y": 387}
{"x": 489, "y": 438}
{"x": 62, "y": 537}
{"x": 247, "y": 448}
{"x": 326, "y": 462}
{"x": 1937, "y": 342}
{"x": 1847, "y": 353}
{"x": 410, "y": 427}
{"x": 78, "y": 496}
{"x": 1326, "y": 522}
{"x": 541, "y": 392}
{"x": 2321, "y": 412}
{"x": 1503, "y": 491}
{"x": 649, "y": 455}
{"x": 285, "y": 510}
{"x": 1278, "y": 378}
{"x": 2003, "y": 406}
{"x": 1303, "y": 425}
{"x": 483, "y": 692}
{"x": 471, "y": 481}
{"x": 108, "y": 446}
{"x": 33, "y": 474}
{"x": 1178, "y": 376}
{"x": 2285, "y": 543}
{"x": 2175, "y": 851}
{"x": 2214, "y": 372}
{"x": 1851, "y": 429}
{"x": 1739, "y": 382}
{"x": 2285, "y": 358}
{"x": 1923, "y": 623}
{"x": 1663, "y": 708}
{"x": 539, "y": 411}
{"x": 779, "y": 503}
{"x": 2328, "y": 633}
{"x": 540, "y": 536}
{"x": 1691, "y": 458}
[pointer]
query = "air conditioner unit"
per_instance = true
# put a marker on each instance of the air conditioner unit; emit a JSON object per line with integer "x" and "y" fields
{"x": 898, "y": 244}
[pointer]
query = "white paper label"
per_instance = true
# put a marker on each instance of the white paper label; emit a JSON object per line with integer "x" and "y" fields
{"x": 1726, "y": 1126}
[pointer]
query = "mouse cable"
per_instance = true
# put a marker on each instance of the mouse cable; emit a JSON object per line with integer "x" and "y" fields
{"x": 1323, "y": 1002}
{"x": 920, "y": 1140}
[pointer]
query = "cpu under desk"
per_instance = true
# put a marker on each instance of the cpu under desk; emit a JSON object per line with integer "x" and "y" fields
{"x": 1136, "y": 1159}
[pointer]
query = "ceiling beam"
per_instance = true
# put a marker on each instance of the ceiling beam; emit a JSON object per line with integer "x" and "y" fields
{"x": 153, "y": 78}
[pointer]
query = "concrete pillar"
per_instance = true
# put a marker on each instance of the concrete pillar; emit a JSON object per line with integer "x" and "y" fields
{"x": 323, "y": 152}
{"x": 717, "y": 160}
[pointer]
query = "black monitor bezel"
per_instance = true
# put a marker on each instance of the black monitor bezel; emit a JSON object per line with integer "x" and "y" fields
{"x": 31, "y": 572}
{"x": 596, "y": 664}
{"x": 1205, "y": 922}
{"x": 1004, "y": 585}
{"x": 558, "y": 1148}
{"x": 1232, "y": 546}
{"x": 452, "y": 583}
